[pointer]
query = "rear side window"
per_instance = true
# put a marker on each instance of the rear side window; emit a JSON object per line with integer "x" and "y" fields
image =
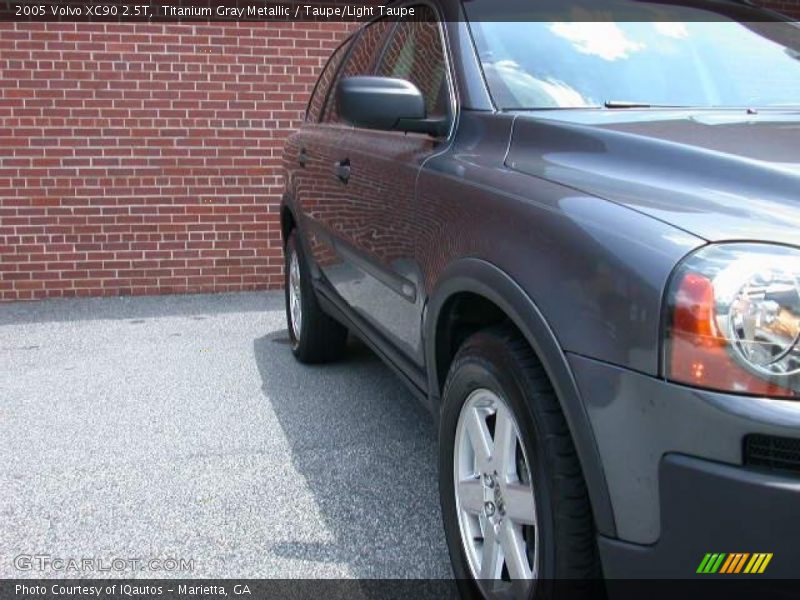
{"x": 415, "y": 53}
{"x": 317, "y": 102}
{"x": 360, "y": 61}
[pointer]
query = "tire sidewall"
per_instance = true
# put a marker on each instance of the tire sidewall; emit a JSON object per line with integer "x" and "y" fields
{"x": 473, "y": 369}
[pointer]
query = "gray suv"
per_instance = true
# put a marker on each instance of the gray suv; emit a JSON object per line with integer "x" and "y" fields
{"x": 578, "y": 243}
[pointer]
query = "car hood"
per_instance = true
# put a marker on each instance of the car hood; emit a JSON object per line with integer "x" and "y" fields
{"x": 720, "y": 175}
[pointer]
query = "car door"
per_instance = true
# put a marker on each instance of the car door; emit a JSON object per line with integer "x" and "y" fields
{"x": 308, "y": 154}
{"x": 323, "y": 198}
{"x": 378, "y": 224}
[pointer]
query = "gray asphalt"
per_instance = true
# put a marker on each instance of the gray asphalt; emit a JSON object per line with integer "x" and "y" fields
{"x": 181, "y": 427}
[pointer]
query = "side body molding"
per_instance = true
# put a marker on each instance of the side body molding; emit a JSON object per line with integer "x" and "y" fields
{"x": 485, "y": 279}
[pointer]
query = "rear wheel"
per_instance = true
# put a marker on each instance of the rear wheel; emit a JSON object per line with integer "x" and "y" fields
{"x": 315, "y": 336}
{"x": 515, "y": 507}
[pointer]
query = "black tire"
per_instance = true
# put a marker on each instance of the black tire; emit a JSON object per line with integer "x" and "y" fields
{"x": 321, "y": 338}
{"x": 500, "y": 360}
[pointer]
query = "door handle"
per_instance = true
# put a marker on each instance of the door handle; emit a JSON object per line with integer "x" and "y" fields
{"x": 342, "y": 169}
{"x": 303, "y": 157}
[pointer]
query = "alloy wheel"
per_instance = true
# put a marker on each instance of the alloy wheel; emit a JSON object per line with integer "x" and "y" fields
{"x": 295, "y": 296}
{"x": 494, "y": 493}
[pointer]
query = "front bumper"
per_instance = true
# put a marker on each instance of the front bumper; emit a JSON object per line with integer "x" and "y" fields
{"x": 707, "y": 507}
{"x": 673, "y": 460}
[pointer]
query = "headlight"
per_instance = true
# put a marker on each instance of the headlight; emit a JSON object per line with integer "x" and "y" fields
{"x": 733, "y": 320}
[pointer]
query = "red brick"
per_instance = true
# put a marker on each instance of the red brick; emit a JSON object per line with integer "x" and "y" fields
{"x": 128, "y": 175}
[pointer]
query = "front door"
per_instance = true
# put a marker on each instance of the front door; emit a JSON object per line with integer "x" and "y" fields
{"x": 323, "y": 195}
{"x": 379, "y": 227}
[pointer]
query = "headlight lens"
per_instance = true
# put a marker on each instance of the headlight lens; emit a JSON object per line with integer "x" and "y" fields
{"x": 734, "y": 320}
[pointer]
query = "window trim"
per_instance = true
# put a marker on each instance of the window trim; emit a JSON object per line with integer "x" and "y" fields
{"x": 348, "y": 40}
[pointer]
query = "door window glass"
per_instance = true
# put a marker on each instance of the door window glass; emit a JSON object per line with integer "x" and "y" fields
{"x": 323, "y": 86}
{"x": 360, "y": 61}
{"x": 415, "y": 53}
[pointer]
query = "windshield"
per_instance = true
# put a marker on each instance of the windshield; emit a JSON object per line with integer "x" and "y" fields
{"x": 691, "y": 63}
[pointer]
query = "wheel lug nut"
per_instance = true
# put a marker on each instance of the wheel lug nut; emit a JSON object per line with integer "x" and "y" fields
{"x": 488, "y": 481}
{"x": 488, "y": 508}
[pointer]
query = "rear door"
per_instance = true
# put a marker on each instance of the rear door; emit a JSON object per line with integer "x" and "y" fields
{"x": 376, "y": 224}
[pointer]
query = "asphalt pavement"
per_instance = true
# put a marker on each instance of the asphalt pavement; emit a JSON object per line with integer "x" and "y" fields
{"x": 181, "y": 427}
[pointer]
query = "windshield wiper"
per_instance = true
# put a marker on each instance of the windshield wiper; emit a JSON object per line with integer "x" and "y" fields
{"x": 624, "y": 104}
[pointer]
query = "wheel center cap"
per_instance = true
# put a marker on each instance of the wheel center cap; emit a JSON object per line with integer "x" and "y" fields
{"x": 493, "y": 504}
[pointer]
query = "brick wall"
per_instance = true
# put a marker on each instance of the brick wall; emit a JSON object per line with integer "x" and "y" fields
{"x": 145, "y": 158}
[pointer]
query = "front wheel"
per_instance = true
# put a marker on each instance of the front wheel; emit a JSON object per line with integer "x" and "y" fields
{"x": 515, "y": 506}
{"x": 315, "y": 336}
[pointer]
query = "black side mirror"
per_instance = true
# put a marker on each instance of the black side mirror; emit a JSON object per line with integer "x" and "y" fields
{"x": 387, "y": 104}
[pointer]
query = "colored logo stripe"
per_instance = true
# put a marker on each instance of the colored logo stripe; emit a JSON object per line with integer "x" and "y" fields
{"x": 734, "y": 563}
{"x": 711, "y": 563}
{"x": 728, "y": 562}
{"x": 758, "y": 563}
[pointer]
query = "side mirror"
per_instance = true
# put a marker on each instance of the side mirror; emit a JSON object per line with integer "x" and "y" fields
{"x": 386, "y": 104}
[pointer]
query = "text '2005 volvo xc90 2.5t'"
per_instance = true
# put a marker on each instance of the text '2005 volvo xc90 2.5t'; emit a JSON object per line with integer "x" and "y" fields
{"x": 579, "y": 244}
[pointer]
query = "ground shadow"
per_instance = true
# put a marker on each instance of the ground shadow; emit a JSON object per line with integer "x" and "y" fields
{"x": 367, "y": 449}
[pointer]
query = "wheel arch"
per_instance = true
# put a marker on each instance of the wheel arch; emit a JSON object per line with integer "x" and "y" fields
{"x": 482, "y": 279}
{"x": 288, "y": 221}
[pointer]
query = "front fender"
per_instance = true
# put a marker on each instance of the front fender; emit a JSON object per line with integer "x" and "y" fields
{"x": 485, "y": 279}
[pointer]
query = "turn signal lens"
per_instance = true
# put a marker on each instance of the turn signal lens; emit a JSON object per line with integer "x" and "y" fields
{"x": 734, "y": 320}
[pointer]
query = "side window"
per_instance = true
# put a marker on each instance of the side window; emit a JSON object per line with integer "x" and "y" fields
{"x": 360, "y": 61}
{"x": 317, "y": 102}
{"x": 415, "y": 53}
